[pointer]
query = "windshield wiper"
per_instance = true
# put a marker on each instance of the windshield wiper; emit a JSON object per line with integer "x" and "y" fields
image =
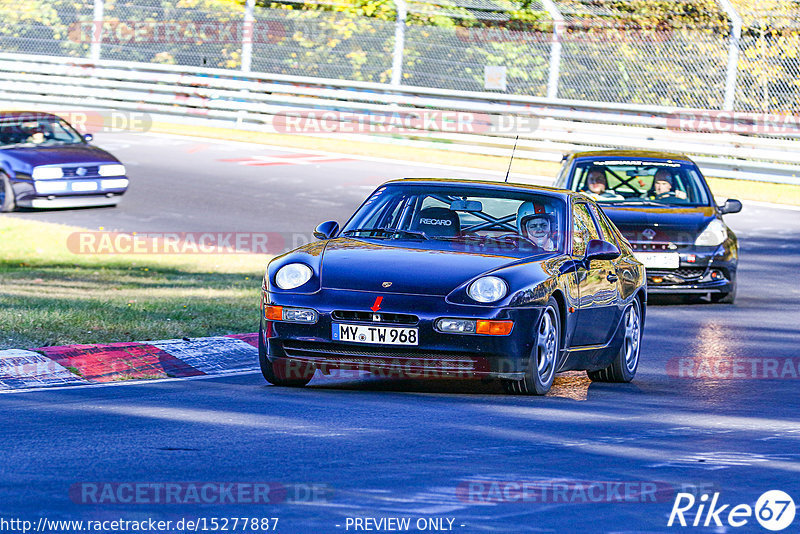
{"x": 644, "y": 202}
{"x": 386, "y": 231}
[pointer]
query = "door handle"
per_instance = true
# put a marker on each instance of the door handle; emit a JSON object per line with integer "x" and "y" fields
{"x": 612, "y": 277}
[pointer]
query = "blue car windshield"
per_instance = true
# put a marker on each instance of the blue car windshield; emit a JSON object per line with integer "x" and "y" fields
{"x": 489, "y": 219}
{"x": 35, "y": 131}
{"x": 657, "y": 182}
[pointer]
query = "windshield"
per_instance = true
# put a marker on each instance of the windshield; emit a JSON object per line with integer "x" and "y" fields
{"x": 36, "y": 131}
{"x": 489, "y": 220}
{"x": 640, "y": 182}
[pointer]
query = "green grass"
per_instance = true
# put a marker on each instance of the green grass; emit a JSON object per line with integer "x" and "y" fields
{"x": 50, "y": 296}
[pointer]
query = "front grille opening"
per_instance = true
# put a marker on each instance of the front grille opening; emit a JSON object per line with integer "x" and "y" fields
{"x": 71, "y": 172}
{"x": 400, "y": 359}
{"x": 298, "y": 348}
{"x": 369, "y": 317}
{"x": 684, "y": 273}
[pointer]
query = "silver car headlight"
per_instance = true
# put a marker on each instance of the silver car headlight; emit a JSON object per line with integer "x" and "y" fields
{"x": 715, "y": 234}
{"x": 487, "y": 289}
{"x": 293, "y": 275}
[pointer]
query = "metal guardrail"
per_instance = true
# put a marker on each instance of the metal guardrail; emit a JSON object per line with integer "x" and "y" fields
{"x": 547, "y": 128}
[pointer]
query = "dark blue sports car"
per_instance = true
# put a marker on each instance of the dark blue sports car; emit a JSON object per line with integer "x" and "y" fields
{"x": 458, "y": 278}
{"x": 662, "y": 204}
{"x": 46, "y": 163}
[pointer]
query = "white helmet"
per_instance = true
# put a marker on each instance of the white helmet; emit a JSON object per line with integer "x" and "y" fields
{"x": 526, "y": 208}
{"x": 529, "y": 208}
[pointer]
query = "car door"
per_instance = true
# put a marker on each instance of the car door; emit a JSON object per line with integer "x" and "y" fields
{"x": 619, "y": 275}
{"x": 597, "y": 287}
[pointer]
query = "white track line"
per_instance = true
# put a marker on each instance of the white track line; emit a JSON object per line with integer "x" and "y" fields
{"x": 129, "y": 382}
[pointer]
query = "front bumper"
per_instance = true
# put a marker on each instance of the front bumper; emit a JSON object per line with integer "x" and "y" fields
{"x": 437, "y": 354}
{"x": 73, "y": 201}
{"x": 70, "y": 192}
{"x": 700, "y": 271}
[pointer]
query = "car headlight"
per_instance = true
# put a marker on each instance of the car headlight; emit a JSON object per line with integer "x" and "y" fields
{"x": 47, "y": 173}
{"x": 487, "y": 289}
{"x": 292, "y": 275}
{"x": 714, "y": 234}
{"x": 112, "y": 170}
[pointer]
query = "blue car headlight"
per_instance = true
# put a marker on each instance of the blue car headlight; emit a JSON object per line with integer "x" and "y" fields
{"x": 47, "y": 173}
{"x": 487, "y": 289}
{"x": 293, "y": 275}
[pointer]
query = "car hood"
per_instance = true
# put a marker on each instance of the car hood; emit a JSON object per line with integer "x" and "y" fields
{"x": 411, "y": 267}
{"x": 24, "y": 158}
{"x": 660, "y": 225}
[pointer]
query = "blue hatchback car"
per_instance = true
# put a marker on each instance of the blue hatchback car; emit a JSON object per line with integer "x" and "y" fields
{"x": 46, "y": 163}
{"x": 458, "y": 278}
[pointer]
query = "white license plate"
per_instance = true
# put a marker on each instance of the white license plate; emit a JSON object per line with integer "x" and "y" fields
{"x": 659, "y": 260}
{"x": 380, "y": 335}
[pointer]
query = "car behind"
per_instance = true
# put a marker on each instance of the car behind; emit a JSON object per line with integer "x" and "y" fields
{"x": 673, "y": 224}
{"x": 46, "y": 163}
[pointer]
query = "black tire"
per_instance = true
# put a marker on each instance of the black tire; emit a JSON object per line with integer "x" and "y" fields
{"x": 725, "y": 298}
{"x": 8, "y": 201}
{"x": 624, "y": 366}
{"x": 275, "y": 374}
{"x": 543, "y": 359}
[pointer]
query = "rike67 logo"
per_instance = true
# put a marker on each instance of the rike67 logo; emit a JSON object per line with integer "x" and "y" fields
{"x": 774, "y": 511}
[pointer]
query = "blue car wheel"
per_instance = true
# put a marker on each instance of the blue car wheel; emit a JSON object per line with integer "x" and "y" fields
{"x": 7, "y": 200}
{"x": 543, "y": 359}
{"x": 624, "y": 366}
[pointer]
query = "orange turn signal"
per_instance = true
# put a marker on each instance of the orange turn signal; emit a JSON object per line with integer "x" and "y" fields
{"x": 494, "y": 328}
{"x": 273, "y": 313}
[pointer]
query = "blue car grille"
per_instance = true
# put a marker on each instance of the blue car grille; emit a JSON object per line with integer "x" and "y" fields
{"x": 368, "y": 317}
{"x": 72, "y": 172}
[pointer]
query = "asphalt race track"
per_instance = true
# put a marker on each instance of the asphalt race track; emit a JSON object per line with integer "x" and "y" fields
{"x": 348, "y": 447}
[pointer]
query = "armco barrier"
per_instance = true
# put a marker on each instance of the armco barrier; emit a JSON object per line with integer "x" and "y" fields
{"x": 547, "y": 128}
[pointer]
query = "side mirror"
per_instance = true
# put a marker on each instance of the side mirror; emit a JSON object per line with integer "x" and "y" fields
{"x": 88, "y": 137}
{"x": 730, "y": 206}
{"x": 326, "y": 230}
{"x": 597, "y": 249}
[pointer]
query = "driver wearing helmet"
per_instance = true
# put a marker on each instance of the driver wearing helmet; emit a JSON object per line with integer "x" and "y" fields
{"x": 536, "y": 225}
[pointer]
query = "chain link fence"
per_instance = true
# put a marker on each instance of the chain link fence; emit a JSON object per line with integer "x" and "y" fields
{"x": 684, "y": 53}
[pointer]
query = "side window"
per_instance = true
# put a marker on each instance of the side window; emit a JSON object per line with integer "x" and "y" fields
{"x": 583, "y": 229}
{"x": 605, "y": 225}
{"x": 561, "y": 178}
